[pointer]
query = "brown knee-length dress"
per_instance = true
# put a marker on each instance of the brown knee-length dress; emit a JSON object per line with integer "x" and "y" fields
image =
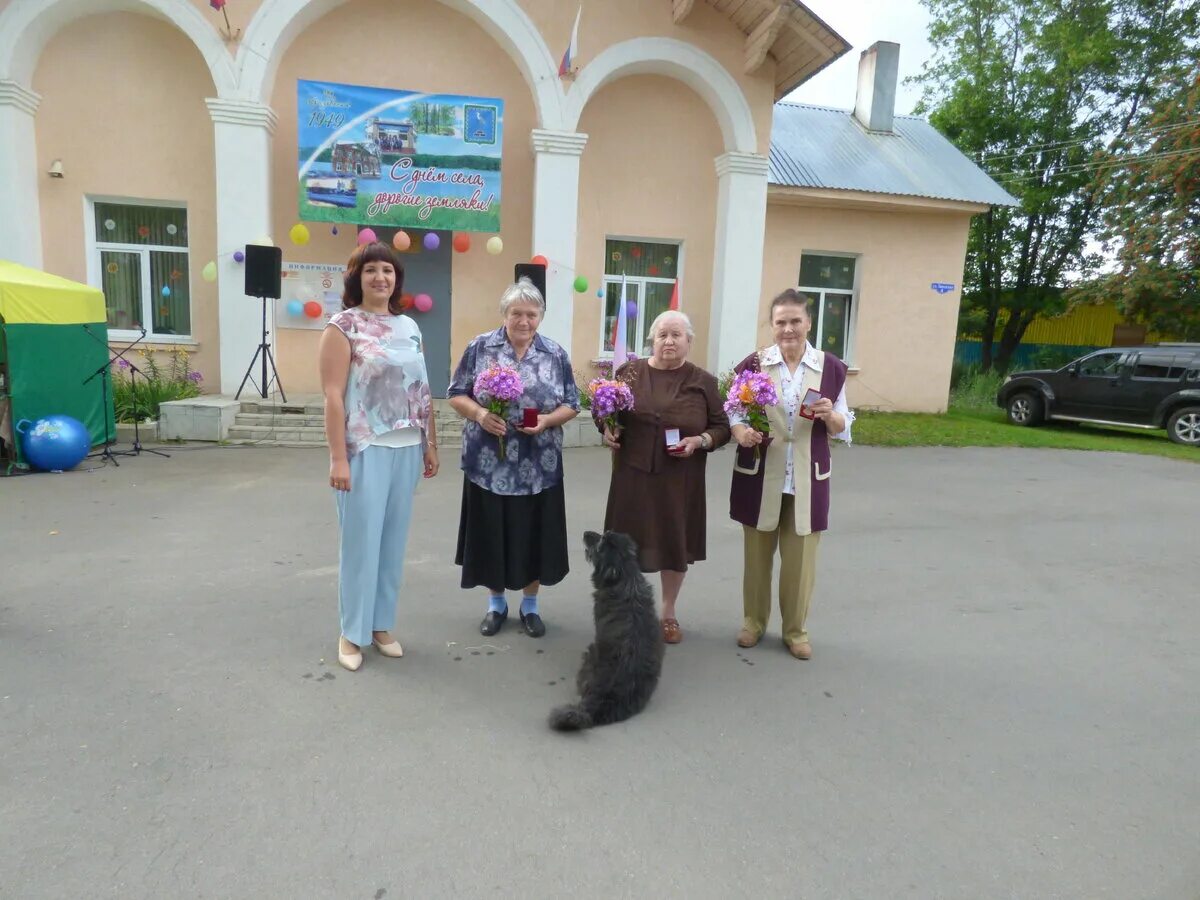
{"x": 656, "y": 498}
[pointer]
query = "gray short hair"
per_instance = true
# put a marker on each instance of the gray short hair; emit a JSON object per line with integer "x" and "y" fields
{"x": 666, "y": 316}
{"x": 521, "y": 292}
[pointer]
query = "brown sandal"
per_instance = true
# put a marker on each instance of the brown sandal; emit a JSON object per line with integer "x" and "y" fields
{"x": 671, "y": 631}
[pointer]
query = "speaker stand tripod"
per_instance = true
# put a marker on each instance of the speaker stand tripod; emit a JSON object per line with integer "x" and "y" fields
{"x": 263, "y": 352}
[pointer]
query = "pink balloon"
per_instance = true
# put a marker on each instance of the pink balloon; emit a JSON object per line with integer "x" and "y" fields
{"x": 423, "y": 302}
{"x": 367, "y": 236}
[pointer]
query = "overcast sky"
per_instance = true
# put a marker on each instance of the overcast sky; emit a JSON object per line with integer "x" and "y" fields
{"x": 862, "y": 23}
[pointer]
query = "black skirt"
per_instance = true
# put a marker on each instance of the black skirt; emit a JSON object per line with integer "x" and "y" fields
{"x": 511, "y": 541}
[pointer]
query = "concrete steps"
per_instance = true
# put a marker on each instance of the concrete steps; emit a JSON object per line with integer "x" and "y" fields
{"x": 273, "y": 423}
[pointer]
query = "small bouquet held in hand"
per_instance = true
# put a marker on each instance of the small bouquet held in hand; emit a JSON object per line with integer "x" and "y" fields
{"x": 496, "y": 387}
{"x": 606, "y": 397}
{"x": 748, "y": 396}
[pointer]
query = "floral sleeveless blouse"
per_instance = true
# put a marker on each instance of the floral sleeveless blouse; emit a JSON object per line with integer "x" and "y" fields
{"x": 388, "y": 387}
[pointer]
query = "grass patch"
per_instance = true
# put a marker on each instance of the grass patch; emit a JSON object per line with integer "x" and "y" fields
{"x": 974, "y": 420}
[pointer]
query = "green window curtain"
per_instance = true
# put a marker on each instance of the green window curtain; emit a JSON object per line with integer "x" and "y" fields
{"x": 121, "y": 281}
{"x": 835, "y": 272}
{"x": 640, "y": 259}
{"x": 120, "y": 223}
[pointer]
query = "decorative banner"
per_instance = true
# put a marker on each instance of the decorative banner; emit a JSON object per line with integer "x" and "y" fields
{"x": 305, "y": 283}
{"x": 402, "y": 159}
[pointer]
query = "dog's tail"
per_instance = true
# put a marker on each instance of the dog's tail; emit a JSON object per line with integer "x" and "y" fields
{"x": 570, "y": 718}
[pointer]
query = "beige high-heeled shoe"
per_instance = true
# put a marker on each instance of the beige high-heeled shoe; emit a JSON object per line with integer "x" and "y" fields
{"x": 350, "y": 661}
{"x": 394, "y": 650}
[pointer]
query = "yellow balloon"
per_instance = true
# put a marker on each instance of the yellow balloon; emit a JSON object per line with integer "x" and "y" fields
{"x": 495, "y": 246}
{"x": 264, "y": 241}
{"x": 209, "y": 272}
{"x": 299, "y": 234}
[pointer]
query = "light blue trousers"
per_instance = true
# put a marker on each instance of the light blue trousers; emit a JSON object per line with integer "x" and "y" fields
{"x": 374, "y": 516}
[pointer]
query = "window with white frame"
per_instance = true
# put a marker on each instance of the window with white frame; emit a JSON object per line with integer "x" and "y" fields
{"x": 828, "y": 281}
{"x": 649, "y": 271}
{"x": 139, "y": 256}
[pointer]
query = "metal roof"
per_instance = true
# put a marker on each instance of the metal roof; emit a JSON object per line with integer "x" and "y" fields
{"x": 817, "y": 147}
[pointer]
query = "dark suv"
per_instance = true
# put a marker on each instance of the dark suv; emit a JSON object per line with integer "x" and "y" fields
{"x": 1156, "y": 386}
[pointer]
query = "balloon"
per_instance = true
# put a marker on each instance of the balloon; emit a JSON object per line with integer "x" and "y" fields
{"x": 264, "y": 241}
{"x": 581, "y": 285}
{"x": 295, "y": 308}
{"x": 406, "y": 301}
{"x": 540, "y": 260}
{"x": 239, "y": 256}
{"x": 600, "y": 293}
{"x": 299, "y": 234}
{"x": 209, "y": 272}
{"x": 631, "y": 309}
{"x": 495, "y": 246}
{"x": 334, "y": 229}
{"x": 55, "y": 443}
{"x": 312, "y": 309}
{"x": 166, "y": 291}
{"x": 401, "y": 241}
{"x": 423, "y": 302}
{"x": 431, "y": 240}
{"x": 462, "y": 242}
{"x": 367, "y": 236}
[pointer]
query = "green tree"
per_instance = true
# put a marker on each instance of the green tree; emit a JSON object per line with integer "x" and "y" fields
{"x": 1150, "y": 189}
{"x": 1037, "y": 91}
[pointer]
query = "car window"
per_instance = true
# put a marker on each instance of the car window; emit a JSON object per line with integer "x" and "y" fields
{"x": 1101, "y": 365}
{"x": 1157, "y": 368}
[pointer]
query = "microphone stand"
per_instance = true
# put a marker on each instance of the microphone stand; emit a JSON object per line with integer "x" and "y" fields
{"x": 134, "y": 371}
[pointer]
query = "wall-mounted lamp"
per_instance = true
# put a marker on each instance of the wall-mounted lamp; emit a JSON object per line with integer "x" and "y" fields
{"x": 56, "y": 169}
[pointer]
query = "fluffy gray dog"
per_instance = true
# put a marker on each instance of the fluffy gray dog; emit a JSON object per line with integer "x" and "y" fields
{"x": 621, "y": 667}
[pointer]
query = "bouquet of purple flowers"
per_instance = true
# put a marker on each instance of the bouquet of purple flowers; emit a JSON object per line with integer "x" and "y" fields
{"x": 496, "y": 387}
{"x": 749, "y": 395}
{"x": 606, "y": 397}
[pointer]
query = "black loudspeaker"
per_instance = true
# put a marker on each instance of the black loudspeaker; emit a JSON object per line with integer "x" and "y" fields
{"x": 534, "y": 272}
{"x": 263, "y": 265}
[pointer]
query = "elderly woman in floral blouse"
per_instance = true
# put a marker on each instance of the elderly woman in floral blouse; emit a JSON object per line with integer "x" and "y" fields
{"x": 512, "y": 531}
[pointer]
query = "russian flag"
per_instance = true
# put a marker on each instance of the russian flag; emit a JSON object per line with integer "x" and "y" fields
{"x": 564, "y": 67}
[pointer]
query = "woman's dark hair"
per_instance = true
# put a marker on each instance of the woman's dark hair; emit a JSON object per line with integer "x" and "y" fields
{"x": 790, "y": 297}
{"x": 376, "y": 251}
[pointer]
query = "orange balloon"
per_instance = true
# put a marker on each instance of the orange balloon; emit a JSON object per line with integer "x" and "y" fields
{"x": 462, "y": 242}
{"x": 406, "y": 301}
{"x": 540, "y": 260}
{"x": 312, "y": 309}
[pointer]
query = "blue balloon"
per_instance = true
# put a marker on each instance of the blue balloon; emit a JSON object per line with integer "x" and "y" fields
{"x": 600, "y": 293}
{"x": 55, "y": 443}
{"x": 295, "y": 308}
{"x": 631, "y": 309}
{"x": 166, "y": 291}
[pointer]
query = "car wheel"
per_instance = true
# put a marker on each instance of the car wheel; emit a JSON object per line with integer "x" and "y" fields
{"x": 1184, "y": 426}
{"x": 1025, "y": 408}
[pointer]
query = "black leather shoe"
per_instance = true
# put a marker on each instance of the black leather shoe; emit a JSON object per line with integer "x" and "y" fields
{"x": 533, "y": 624}
{"x": 491, "y": 622}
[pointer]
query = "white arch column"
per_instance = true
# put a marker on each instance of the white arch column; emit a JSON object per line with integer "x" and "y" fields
{"x": 737, "y": 258}
{"x": 243, "y": 133}
{"x": 20, "y": 209}
{"x": 555, "y": 222}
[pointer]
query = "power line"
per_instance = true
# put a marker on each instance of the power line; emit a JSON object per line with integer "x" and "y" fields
{"x": 1097, "y": 165}
{"x": 984, "y": 156}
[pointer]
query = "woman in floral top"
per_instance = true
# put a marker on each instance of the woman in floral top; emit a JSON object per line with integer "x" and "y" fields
{"x": 379, "y": 423}
{"x": 512, "y": 532}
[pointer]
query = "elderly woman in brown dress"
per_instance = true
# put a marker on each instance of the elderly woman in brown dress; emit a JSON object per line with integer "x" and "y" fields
{"x": 657, "y": 490}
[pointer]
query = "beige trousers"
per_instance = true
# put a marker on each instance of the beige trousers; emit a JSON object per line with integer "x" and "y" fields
{"x": 797, "y": 574}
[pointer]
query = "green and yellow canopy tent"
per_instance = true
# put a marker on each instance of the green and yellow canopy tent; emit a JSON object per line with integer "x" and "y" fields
{"x": 53, "y": 337}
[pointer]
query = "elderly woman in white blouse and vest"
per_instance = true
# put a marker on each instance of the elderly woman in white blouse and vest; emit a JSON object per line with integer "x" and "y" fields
{"x": 780, "y": 494}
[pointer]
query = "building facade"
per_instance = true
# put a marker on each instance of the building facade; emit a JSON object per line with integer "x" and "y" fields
{"x": 141, "y": 140}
